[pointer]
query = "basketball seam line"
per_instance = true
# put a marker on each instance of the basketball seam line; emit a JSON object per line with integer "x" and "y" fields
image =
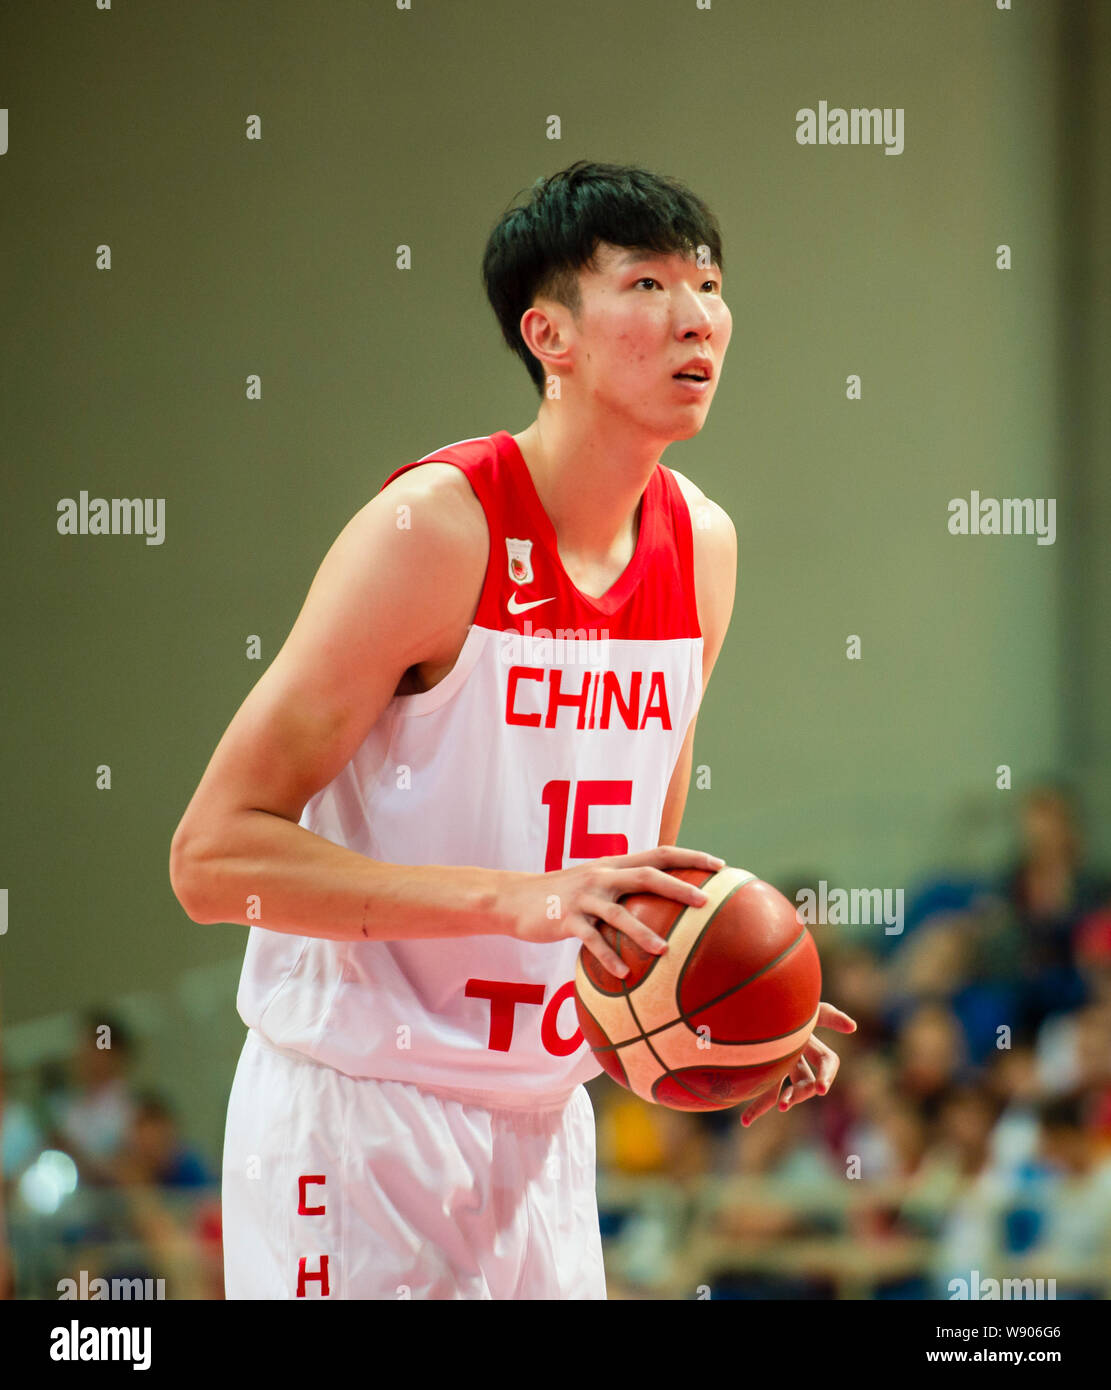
{"x": 684, "y": 1017}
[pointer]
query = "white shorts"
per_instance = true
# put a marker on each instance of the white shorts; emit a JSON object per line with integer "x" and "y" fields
{"x": 343, "y": 1187}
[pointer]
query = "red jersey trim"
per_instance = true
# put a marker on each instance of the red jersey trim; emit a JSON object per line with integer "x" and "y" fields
{"x": 683, "y": 531}
{"x": 499, "y": 478}
{"x": 648, "y": 530}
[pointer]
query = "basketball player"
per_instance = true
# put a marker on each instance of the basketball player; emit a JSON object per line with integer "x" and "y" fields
{"x": 430, "y": 800}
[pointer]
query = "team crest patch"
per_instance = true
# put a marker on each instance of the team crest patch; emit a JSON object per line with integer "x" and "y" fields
{"x": 520, "y": 560}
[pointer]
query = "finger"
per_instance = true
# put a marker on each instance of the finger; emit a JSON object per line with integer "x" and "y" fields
{"x": 597, "y": 945}
{"x": 760, "y": 1106}
{"x": 650, "y": 880}
{"x": 668, "y": 857}
{"x": 799, "y": 1073}
{"x": 826, "y": 1063}
{"x": 800, "y": 1085}
{"x": 675, "y": 857}
{"x": 829, "y": 1017}
{"x": 624, "y": 921}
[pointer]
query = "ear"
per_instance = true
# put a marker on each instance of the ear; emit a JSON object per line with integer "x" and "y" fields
{"x": 545, "y": 328}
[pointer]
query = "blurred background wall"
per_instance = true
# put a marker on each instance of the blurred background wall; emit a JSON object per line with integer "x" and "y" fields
{"x": 277, "y": 256}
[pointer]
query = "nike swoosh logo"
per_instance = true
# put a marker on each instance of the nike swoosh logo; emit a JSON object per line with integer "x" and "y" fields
{"x": 515, "y": 607}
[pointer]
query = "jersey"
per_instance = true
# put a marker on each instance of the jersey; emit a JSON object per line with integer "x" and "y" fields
{"x": 551, "y": 741}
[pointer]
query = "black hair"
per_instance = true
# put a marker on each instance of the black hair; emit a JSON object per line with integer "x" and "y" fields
{"x": 119, "y": 1035}
{"x": 153, "y": 1105}
{"x": 1068, "y": 1111}
{"x": 539, "y": 248}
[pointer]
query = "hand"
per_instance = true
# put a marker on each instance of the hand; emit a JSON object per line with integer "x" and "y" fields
{"x": 812, "y": 1074}
{"x": 588, "y": 894}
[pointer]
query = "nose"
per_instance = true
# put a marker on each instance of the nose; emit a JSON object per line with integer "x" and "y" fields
{"x": 694, "y": 315}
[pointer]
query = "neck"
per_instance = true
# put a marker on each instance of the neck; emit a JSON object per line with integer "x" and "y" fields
{"x": 589, "y": 476}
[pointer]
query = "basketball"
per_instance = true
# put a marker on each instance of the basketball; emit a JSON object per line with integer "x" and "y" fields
{"x": 723, "y": 1014}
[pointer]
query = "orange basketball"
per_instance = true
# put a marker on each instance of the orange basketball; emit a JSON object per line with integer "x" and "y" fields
{"x": 723, "y": 1014}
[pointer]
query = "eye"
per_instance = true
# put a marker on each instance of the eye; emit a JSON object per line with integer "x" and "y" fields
{"x": 714, "y": 284}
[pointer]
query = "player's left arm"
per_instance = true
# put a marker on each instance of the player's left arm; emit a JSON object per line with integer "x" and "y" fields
{"x": 715, "y": 582}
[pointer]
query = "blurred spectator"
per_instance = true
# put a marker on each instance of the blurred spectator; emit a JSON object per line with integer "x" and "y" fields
{"x": 866, "y": 1088}
{"x": 957, "y": 961}
{"x": 1074, "y": 1052}
{"x": 939, "y": 897}
{"x": 1013, "y": 1081}
{"x": 887, "y": 1135}
{"x": 962, "y": 1147}
{"x": 856, "y": 978}
{"x": 1092, "y": 951}
{"x": 958, "y": 1180}
{"x": 155, "y": 1153}
{"x": 160, "y": 1179}
{"x": 889, "y": 1159}
{"x": 1073, "y": 1241}
{"x": 930, "y": 1057}
{"x": 936, "y": 961}
{"x": 637, "y": 1138}
{"x": 1050, "y": 891}
{"x": 1092, "y": 947}
{"x": 783, "y": 1145}
{"x": 21, "y": 1139}
{"x": 92, "y": 1115}
{"x": 784, "y": 1161}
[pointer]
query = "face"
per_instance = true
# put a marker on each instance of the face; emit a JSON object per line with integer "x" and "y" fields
{"x": 642, "y": 319}
{"x": 1048, "y": 825}
{"x": 1058, "y": 1147}
{"x": 967, "y": 1122}
{"x": 153, "y": 1138}
{"x": 96, "y": 1065}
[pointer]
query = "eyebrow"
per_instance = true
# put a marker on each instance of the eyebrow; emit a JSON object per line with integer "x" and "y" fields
{"x": 636, "y": 257}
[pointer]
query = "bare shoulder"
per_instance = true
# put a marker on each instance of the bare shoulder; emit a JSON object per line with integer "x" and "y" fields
{"x": 715, "y": 560}
{"x": 441, "y": 523}
{"x": 441, "y": 493}
{"x": 706, "y": 514}
{"x": 435, "y": 506}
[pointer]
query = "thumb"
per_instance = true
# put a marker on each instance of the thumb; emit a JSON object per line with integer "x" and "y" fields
{"x": 829, "y": 1017}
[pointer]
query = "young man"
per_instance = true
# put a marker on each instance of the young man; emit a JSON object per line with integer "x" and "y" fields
{"x": 476, "y": 738}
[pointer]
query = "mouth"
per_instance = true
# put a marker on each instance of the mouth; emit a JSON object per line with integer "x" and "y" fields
{"x": 696, "y": 385}
{"x": 696, "y": 373}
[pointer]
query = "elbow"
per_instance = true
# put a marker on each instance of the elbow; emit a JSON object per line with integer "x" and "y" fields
{"x": 185, "y": 879}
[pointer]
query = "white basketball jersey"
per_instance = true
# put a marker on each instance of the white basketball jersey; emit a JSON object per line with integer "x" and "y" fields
{"x": 551, "y": 741}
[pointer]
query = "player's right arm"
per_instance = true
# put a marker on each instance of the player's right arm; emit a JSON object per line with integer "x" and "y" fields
{"x": 385, "y": 598}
